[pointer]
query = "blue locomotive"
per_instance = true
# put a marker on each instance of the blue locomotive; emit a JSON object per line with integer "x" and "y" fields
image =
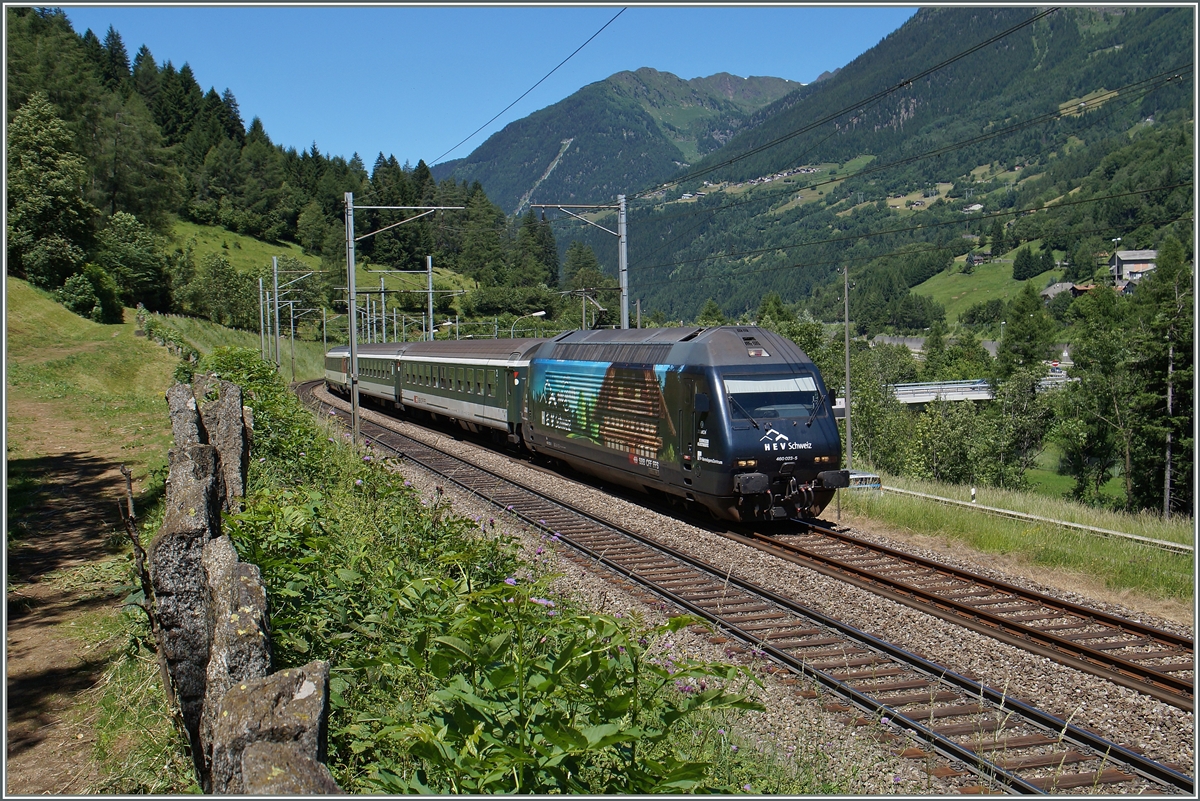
{"x": 734, "y": 419}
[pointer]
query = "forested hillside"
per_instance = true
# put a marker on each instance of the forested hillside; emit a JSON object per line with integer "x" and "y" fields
{"x": 105, "y": 151}
{"x": 1004, "y": 116}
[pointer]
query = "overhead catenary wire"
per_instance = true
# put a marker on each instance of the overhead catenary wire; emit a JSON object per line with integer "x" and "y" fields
{"x": 847, "y": 109}
{"x": 1155, "y": 82}
{"x": 530, "y": 89}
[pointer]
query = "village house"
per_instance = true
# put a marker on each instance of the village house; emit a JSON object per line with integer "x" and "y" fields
{"x": 1054, "y": 289}
{"x": 1131, "y": 265}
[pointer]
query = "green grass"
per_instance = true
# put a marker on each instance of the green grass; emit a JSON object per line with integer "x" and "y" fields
{"x": 137, "y": 749}
{"x": 78, "y": 384}
{"x": 1045, "y": 479}
{"x": 245, "y": 253}
{"x": 957, "y": 291}
{"x": 205, "y": 336}
{"x": 1118, "y": 564}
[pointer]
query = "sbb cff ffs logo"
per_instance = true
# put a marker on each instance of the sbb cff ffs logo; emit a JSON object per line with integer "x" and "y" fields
{"x": 778, "y": 441}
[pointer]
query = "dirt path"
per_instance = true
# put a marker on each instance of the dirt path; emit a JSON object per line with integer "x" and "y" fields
{"x": 65, "y": 523}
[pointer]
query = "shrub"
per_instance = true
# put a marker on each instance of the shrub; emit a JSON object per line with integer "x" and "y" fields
{"x": 451, "y": 668}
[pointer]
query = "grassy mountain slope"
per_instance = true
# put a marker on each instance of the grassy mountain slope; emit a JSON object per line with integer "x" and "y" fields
{"x": 631, "y": 130}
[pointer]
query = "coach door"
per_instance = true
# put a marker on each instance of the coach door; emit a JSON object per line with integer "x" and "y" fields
{"x": 687, "y": 428}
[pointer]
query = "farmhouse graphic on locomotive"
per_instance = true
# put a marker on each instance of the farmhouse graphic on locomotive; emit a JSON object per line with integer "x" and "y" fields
{"x": 735, "y": 419}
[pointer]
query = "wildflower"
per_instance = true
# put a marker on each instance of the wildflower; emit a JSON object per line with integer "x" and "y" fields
{"x": 885, "y": 721}
{"x": 543, "y": 522}
{"x": 301, "y": 454}
{"x": 333, "y": 412}
{"x": 552, "y": 613}
{"x": 262, "y": 459}
{"x": 720, "y": 731}
{"x": 510, "y": 581}
{"x": 358, "y": 482}
{"x": 542, "y": 601}
{"x": 554, "y": 537}
{"x": 540, "y": 551}
{"x": 745, "y": 787}
{"x": 895, "y": 779}
{"x": 366, "y": 458}
{"x": 408, "y": 483}
{"x": 508, "y": 508}
{"x": 508, "y": 600}
{"x": 329, "y": 438}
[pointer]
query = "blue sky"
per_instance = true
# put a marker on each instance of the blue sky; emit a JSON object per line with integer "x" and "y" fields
{"x": 415, "y": 81}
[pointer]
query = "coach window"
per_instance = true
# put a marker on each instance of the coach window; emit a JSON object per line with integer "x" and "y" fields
{"x": 471, "y": 380}
{"x": 460, "y": 380}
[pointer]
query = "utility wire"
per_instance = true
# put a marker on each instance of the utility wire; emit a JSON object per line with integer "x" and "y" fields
{"x": 1155, "y": 82}
{"x": 877, "y": 96}
{"x": 530, "y": 89}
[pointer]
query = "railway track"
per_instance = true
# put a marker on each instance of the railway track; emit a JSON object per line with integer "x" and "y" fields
{"x": 991, "y": 741}
{"x": 1152, "y": 661}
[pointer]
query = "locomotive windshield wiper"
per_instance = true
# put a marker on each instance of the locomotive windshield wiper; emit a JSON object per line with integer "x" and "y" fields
{"x": 816, "y": 408}
{"x": 734, "y": 401}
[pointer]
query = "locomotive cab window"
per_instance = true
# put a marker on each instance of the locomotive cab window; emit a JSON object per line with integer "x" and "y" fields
{"x": 769, "y": 398}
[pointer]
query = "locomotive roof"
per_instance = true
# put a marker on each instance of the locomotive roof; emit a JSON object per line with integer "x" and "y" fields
{"x": 720, "y": 346}
{"x": 727, "y": 345}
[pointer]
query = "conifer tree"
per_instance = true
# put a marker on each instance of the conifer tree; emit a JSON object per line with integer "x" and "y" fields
{"x": 145, "y": 76}
{"x": 114, "y": 71}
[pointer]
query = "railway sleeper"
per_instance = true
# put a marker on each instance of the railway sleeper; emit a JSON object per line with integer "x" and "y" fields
{"x": 1071, "y": 781}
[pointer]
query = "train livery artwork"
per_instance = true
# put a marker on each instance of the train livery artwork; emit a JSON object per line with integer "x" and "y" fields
{"x": 622, "y": 410}
{"x": 735, "y": 419}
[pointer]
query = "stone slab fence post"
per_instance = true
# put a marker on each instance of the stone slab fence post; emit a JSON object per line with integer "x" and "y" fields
{"x": 252, "y": 731}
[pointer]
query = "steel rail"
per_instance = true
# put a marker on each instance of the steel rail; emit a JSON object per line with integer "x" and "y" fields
{"x": 1151, "y": 680}
{"x": 1037, "y": 718}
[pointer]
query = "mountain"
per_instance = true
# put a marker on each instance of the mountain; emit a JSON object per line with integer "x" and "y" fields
{"x": 629, "y": 130}
{"x": 959, "y": 106}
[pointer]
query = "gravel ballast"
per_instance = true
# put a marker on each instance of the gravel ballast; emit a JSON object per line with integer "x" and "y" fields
{"x": 863, "y": 765}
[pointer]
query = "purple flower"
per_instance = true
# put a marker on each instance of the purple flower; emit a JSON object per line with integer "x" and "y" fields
{"x": 329, "y": 438}
{"x": 552, "y": 613}
{"x": 745, "y": 787}
{"x": 366, "y": 458}
{"x": 885, "y": 721}
{"x": 734, "y": 749}
{"x": 554, "y": 537}
{"x": 542, "y": 601}
{"x": 720, "y": 731}
{"x": 358, "y": 482}
{"x": 301, "y": 454}
{"x": 262, "y": 459}
{"x": 408, "y": 483}
{"x": 540, "y": 550}
{"x": 896, "y": 779}
{"x": 510, "y": 581}
{"x": 508, "y": 508}
{"x": 333, "y": 412}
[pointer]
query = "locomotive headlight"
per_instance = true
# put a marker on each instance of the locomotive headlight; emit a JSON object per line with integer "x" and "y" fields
{"x": 747, "y": 463}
